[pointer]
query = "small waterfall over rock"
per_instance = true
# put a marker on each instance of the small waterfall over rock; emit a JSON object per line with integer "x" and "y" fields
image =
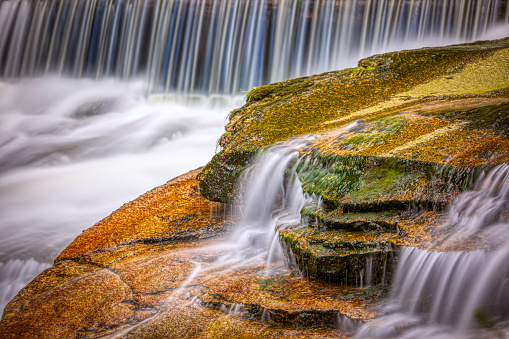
{"x": 211, "y": 47}
{"x": 484, "y": 211}
{"x": 273, "y": 200}
{"x": 461, "y": 293}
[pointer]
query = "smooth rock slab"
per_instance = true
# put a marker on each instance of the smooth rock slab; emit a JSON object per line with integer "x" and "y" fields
{"x": 77, "y": 308}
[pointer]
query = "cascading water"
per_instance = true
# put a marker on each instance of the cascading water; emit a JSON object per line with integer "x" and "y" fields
{"x": 272, "y": 201}
{"x": 455, "y": 294}
{"x": 223, "y": 46}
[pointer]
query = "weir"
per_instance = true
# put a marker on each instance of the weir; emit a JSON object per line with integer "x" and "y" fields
{"x": 222, "y": 47}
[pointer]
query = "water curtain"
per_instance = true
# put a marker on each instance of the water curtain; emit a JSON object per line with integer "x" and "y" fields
{"x": 222, "y": 46}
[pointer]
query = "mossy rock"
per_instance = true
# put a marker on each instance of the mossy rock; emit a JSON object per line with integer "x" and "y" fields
{"x": 349, "y": 258}
{"x": 369, "y": 221}
{"x": 390, "y": 98}
{"x": 288, "y": 300}
{"x": 224, "y": 170}
{"x": 361, "y": 184}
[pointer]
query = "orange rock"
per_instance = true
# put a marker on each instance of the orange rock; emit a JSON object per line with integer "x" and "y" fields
{"x": 175, "y": 209}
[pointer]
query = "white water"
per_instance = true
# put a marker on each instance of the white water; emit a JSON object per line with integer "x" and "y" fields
{"x": 456, "y": 294}
{"x": 272, "y": 198}
{"x": 72, "y": 151}
{"x": 483, "y": 212}
{"x": 272, "y": 202}
{"x": 223, "y": 46}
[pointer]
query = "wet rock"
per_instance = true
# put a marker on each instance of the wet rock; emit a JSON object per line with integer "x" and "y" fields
{"x": 175, "y": 211}
{"x": 135, "y": 288}
{"x": 369, "y": 221}
{"x": 350, "y": 258}
{"x": 118, "y": 272}
{"x": 84, "y": 306}
{"x": 288, "y": 300}
{"x": 383, "y": 183}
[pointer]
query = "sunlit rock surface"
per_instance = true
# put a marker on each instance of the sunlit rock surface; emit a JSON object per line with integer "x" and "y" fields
{"x": 403, "y": 106}
{"x": 125, "y": 275}
{"x": 173, "y": 211}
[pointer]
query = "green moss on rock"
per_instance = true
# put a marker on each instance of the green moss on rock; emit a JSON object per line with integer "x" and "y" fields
{"x": 349, "y": 258}
{"x": 364, "y": 184}
{"x": 319, "y": 103}
{"x": 379, "y": 221}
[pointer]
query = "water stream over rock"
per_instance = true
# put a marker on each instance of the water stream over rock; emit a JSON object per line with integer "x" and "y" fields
{"x": 455, "y": 294}
{"x": 273, "y": 200}
{"x": 71, "y": 151}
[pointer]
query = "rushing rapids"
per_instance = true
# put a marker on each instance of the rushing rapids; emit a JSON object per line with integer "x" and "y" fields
{"x": 212, "y": 47}
{"x": 456, "y": 293}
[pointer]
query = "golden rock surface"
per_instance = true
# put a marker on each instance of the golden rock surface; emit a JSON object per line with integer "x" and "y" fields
{"x": 127, "y": 275}
{"x": 175, "y": 209}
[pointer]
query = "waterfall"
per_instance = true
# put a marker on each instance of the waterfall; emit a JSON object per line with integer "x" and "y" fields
{"x": 224, "y": 46}
{"x": 483, "y": 210}
{"x": 272, "y": 200}
{"x": 72, "y": 150}
{"x": 456, "y": 293}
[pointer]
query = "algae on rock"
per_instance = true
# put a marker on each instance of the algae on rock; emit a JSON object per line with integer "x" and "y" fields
{"x": 397, "y": 89}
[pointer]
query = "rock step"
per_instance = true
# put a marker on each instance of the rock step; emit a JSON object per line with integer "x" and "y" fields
{"x": 368, "y": 221}
{"x": 363, "y": 184}
{"x": 344, "y": 257}
{"x": 295, "y": 319}
{"x": 288, "y": 300}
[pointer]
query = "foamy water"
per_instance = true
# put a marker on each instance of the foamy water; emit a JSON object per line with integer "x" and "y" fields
{"x": 72, "y": 151}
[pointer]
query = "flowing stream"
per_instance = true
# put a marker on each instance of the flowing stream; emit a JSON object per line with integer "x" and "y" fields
{"x": 435, "y": 294}
{"x": 273, "y": 198}
{"x": 75, "y": 144}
